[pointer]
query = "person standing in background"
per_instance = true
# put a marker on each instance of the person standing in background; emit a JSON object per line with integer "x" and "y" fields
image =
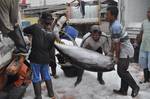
{"x": 144, "y": 56}
{"x": 81, "y": 4}
{"x": 9, "y": 24}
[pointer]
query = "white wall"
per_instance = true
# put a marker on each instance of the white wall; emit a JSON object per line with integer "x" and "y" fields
{"x": 135, "y": 10}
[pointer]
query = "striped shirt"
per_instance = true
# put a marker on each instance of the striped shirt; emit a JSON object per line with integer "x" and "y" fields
{"x": 118, "y": 35}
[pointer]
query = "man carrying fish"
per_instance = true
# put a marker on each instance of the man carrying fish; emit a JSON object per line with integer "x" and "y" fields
{"x": 42, "y": 43}
{"x": 97, "y": 41}
{"x": 122, "y": 50}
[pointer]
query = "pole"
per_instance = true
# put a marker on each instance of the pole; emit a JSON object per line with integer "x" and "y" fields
{"x": 44, "y": 2}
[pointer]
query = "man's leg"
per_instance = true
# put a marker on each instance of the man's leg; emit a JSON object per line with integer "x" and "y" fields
{"x": 146, "y": 76}
{"x": 143, "y": 61}
{"x": 149, "y": 65}
{"x": 100, "y": 78}
{"x": 37, "y": 90}
{"x": 36, "y": 80}
{"x": 82, "y": 8}
{"x": 123, "y": 89}
{"x": 123, "y": 65}
{"x": 49, "y": 86}
{"x": 47, "y": 79}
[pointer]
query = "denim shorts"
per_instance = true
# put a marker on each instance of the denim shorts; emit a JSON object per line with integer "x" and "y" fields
{"x": 40, "y": 72}
{"x": 144, "y": 59}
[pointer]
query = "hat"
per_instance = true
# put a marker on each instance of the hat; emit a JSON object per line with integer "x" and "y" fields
{"x": 61, "y": 21}
{"x": 45, "y": 16}
{"x": 95, "y": 28}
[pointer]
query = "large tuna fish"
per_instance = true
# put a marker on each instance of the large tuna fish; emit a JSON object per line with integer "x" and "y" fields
{"x": 86, "y": 59}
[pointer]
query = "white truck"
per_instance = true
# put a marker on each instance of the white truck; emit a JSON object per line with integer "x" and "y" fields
{"x": 132, "y": 13}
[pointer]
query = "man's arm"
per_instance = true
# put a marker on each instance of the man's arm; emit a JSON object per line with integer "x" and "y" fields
{"x": 29, "y": 30}
{"x": 117, "y": 49}
{"x": 116, "y": 34}
{"x": 85, "y": 44}
{"x": 106, "y": 47}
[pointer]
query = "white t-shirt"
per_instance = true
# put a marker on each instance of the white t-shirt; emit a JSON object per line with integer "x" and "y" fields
{"x": 103, "y": 42}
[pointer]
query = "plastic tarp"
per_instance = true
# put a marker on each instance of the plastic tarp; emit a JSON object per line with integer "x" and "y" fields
{"x": 6, "y": 48}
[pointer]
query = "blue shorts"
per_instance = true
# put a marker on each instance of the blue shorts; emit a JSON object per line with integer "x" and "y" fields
{"x": 144, "y": 59}
{"x": 39, "y": 72}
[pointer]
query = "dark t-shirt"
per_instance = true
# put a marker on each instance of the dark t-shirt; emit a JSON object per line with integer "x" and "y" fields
{"x": 42, "y": 42}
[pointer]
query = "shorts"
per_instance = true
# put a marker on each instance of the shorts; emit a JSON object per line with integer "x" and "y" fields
{"x": 40, "y": 72}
